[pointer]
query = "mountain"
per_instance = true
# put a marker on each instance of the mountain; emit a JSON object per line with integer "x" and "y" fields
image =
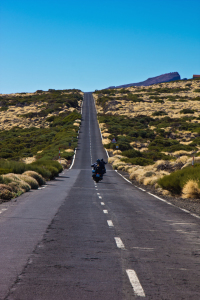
{"x": 153, "y": 80}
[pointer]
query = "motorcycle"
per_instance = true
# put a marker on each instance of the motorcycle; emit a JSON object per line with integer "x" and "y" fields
{"x": 96, "y": 176}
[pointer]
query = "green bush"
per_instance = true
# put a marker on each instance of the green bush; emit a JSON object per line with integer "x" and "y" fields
{"x": 187, "y": 111}
{"x": 47, "y": 168}
{"x": 159, "y": 113}
{"x": 141, "y": 161}
{"x": 132, "y": 153}
{"x": 17, "y": 143}
{"x": 176, "y": 180}
{"x": 4, "y": 171}
{"x": 169, "y": 145}
{"x": 12, "y": 167}
{"x": 159, "y": 101}
{"x": 4, "y": 180}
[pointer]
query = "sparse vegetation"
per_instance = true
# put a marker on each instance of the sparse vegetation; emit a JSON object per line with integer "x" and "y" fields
{"x": 43, "y": 123}
{"x": 154, "y": 138}
{"x": 177, "y": 180}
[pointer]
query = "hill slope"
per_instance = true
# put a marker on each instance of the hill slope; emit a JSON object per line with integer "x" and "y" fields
{"x": 153, "y": 80}
{"x": 157, "y": 129}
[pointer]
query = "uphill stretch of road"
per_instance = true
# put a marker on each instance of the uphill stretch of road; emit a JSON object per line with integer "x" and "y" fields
{"x": 75, "y": 239}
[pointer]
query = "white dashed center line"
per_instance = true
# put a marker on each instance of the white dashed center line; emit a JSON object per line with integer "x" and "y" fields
{"x": 100, "y": 197}
{"x": 119, "y": 243}
{"x": 105, "y": 211}
{"x": 102, "y": 203}
{"x": 110, "y": 223}
{"x": 138, "y": 290}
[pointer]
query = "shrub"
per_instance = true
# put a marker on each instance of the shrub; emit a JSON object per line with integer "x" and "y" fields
{"x": 4, "y": 180}
{"x": 158, "y": 101}
{"x": 159, "y": 113}
{"x": 30, "y": 180}
{"x": 176, "y": 180}
{"x": 132, "y": 153}
{"x": 19, "y": 183}
{"x": 47, "y": 168}
{"x": 187, "y": 111}
{"x": 191, "y": 189}
{"x": 5, "y": 194}
{"x": 138, "y": 161}
{"x": 5, "y": 186}
{"x": 36, "y": 176}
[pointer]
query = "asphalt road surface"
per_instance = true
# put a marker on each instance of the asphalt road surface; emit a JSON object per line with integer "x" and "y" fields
{"x": 75, "y": 239}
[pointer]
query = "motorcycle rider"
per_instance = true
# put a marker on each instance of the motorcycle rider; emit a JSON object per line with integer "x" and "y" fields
{"x": 98, "y": 167}
{"x": 103, "y": 163}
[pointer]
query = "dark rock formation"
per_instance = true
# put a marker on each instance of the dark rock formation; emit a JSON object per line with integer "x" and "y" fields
{"x": 154, "y": 80}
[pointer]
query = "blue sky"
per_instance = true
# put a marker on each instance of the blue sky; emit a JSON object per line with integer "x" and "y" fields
{"x": 95, "y": 44}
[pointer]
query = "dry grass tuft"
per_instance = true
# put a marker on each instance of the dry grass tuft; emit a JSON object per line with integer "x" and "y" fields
{"x": 30, "y": 180}
{"x": 132, "y": 176}
{"x": 106, "y": 141}
{"x": 127, "y": 167}
{"x": 5, "y": 186}
{"x": 166, "y": 193}
{"x": 69, "y": 150}
{"x": 183, "y": 159}
{"x": 117, "y": 152}
{"x": 19, "y": 184}
{"x": 28, "y": 160}
{"x": 191, "y": 190}
{"x": 36, "y": 176}
{"x": 111, "y": 159}
{"x": 181, "y": 152}
{"x": 5, "y": 193}
{"x": 105, "y": 134}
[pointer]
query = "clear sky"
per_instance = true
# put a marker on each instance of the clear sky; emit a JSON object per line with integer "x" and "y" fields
{"x": 95, "y": 44}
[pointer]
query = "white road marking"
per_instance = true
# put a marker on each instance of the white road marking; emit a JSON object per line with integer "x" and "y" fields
{"x": 105, "y": 211}
{"x": 107, "y": 153}
{"x": 138, "y": 290}
{"x": 2, "y": 210}
{"x": 110, "y": 223}
{"x": 124, "y": 177}
{"x": 187, "y": 211}
{"x": 119, "y": 243}
{"x": 142, "y": 248}
{"x": 194, "y": 215}
{"x": 141, "y": 189}
{"x": 102, "y": 203}
{"x": 98, "y": 194}
{"x": 182, "y": 224}
{"x": 161, "y": 199}
{"x": 73, "y": 159}
{"x": 100, "y": 197}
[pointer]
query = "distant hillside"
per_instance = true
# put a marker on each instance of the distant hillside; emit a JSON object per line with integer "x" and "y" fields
{"x": 154, "y": 80}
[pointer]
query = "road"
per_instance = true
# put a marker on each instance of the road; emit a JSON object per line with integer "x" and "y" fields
{"x": 75, "y": 239}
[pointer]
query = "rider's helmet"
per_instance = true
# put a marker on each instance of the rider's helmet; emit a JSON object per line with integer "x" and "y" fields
{"x": 98, "y": 160}
{"x": 102, "y": 159}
